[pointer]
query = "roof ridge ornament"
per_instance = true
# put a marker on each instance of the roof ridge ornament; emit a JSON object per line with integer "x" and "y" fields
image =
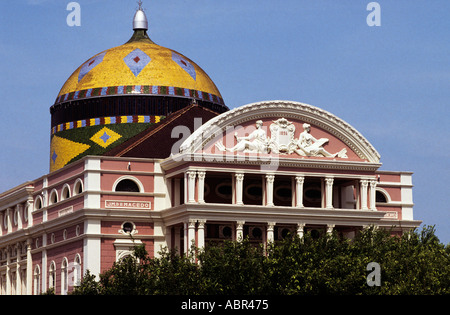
{"x": 140, "y": 21}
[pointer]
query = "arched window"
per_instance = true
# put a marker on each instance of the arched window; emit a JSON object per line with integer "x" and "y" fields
{"x": 77, "y": 271}
{"x": 37, "y": 280}
{"x": 52, "y": 275}
{"x": 127, "y": 185}
{"x": 382, "y": 196}
{"x": 78, "y": 187}
{"x": 53, "y": 197}
{"x": 64, "y": 277}
{"x": 65, "y": 194}
{"x": 38, "y": 204}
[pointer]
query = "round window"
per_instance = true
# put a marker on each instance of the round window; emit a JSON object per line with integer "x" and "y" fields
{"x": 128, "y": 227}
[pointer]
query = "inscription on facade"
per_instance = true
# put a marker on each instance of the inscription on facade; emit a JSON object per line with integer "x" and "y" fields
{"x": 65, "y": 211}
{"x": 391, "y": 215}
{"x": 128, "y": 204}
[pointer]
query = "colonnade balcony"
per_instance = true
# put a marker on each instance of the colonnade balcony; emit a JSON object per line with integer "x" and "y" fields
{"x": 299, "y": 191}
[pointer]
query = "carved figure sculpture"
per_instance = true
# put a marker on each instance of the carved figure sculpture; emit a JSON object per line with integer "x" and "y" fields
{"x": 307, "y": 145}
{"x": 256, "y": 142}
{"x": 282, "y": 141}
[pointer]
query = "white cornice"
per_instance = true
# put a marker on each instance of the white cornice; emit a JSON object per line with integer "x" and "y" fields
{"x": 267, "y": 162}
{"x": 286, "y": 215}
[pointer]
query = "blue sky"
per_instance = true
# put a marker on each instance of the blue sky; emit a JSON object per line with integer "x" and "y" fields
{"x": 392, "y": 82}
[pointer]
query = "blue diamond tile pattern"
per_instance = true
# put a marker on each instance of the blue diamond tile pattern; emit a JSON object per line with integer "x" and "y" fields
{"x": 185, "y": 64}
{"x": 105, "y": 137}
{"x": 54, "y": 156}
{"x": 136, "y": 61}
{"x": 90, "y": 64}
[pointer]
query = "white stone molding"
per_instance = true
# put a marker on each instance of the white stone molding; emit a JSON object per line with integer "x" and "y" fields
{"x": 124, "y": 247}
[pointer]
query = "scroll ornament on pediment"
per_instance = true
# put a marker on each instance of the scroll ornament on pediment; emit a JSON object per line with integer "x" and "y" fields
{"x": 282, "y": 141}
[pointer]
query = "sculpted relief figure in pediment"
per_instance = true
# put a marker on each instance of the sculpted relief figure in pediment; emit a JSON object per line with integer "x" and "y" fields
{"x": 282, "y": 141}
{"x": 256, "y": 142}
{"x": 307, "y": 145}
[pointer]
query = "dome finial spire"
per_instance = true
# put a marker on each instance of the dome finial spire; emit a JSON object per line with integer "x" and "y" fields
{"x": 140, "y": 21}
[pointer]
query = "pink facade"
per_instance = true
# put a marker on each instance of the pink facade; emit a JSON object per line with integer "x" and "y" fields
{"x": 51, "y": 226}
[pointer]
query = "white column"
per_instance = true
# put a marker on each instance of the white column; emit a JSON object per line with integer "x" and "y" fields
{"x": 299, "y": 181}
{"x": 240, "y": 230}
{"x": 191, "y": 185}
{"x": 2, "y": 216}
{"x": 329, "y": 192}
{"x": 269, "y": 190}
{"x": 239, "y": 188}
{"x": 186, "y": 238}
{"x": 300, "y": 229}
{"x": 18, "y": 276}
{"x": 8, "y": 269}
{"x": 29, "y": 208}
{"x": 185, "y": 188}
{"x": 191, "y": 234}
{"x": 29, "y": 267}
{"x": 363, "y": 184}
{"x": 270, "y": 228}
{"x": 201, "y": 233}
{"x": 9, "y": 213}
{"x": 201, "y": 186}
{"x": 372, "y": 194}
{"x": 330, "y": 228}
{"x": 19, "y": 209}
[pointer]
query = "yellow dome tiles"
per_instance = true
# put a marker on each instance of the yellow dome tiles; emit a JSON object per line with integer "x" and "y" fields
{"x": 63, "y": 150}
{"x": 141, "y": 68}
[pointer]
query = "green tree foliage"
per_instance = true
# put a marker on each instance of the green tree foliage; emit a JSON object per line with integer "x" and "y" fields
{"x": 415, "y": 263}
